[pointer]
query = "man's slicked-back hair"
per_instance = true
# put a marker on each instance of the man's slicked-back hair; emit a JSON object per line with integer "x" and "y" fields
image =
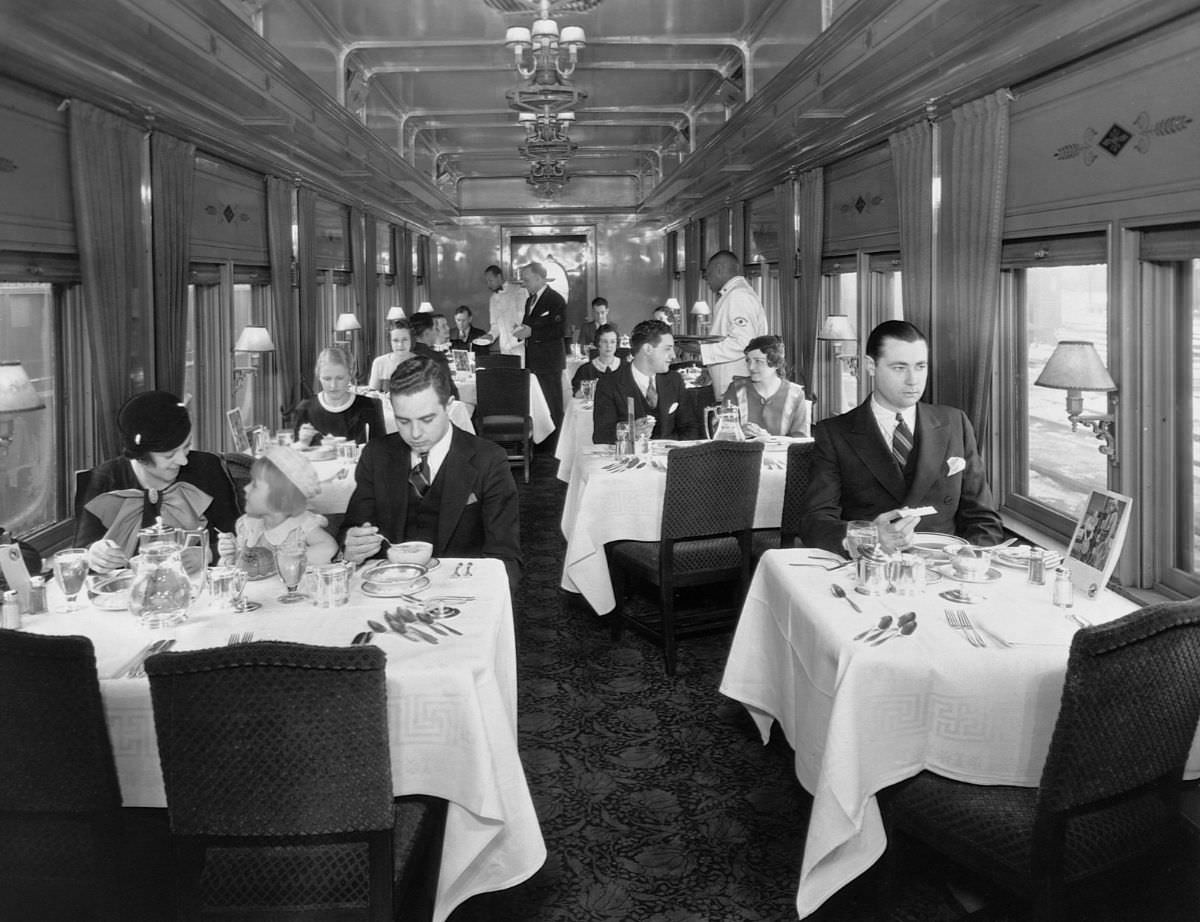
{"x": 494, "y": 270}
{"x": 416, "y": 374}
{"x": 892, "y": 329}
{"x": 421, "y": 323}
{"x": 648, "y": 331}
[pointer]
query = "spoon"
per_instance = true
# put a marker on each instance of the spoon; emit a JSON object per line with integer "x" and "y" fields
{"x": 841, "y": 594}
{"x": 884, "y": 623}
{"x": 903, "y": 630}
{"x": 426, "y": 618}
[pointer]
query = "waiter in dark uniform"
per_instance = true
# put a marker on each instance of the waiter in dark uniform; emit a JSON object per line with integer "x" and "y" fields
{"x": 541, "y": 330}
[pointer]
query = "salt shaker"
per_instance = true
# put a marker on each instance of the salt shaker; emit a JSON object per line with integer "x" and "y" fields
{"x": 1037, "y": 566}
{"x": 622, "y": 439}
{"x": 1064, "y": 592}
{"x": 10, "y": 610}
{"x": 37, "y": 595}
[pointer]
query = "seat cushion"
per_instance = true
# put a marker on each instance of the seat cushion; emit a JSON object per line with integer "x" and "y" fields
{"x": 763, "y": 540}
{"x": 989, "y": 828}
{"x": 690, "y": 556}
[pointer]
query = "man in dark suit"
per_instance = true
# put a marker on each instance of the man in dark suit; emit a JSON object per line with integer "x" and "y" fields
{"x": 463, "y": 334}
{"x": 656, "y": 391}
{"x": 431, "y": 481}
{"x": 892, "y": 453}
{"x": 424, "y": 328}
{"x": 542, "y": 331}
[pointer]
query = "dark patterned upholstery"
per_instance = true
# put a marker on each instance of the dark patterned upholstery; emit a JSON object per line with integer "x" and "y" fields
{"x": 1109, "y": 789}
{"x": 502, "y": 411}
{"x": 59, "y": 798}
{"x": 497, "y": 360}
{"x": 707, "y": 520}
{"x": 237, "y": 466}
{"x": 278, "y": 778}
{"x": 799, "y": 473}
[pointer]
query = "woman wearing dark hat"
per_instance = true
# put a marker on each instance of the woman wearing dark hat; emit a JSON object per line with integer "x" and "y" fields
{"x": 157, "y": 475}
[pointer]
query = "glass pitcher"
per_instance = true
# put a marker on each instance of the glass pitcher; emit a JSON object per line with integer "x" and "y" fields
{"x": 161, "y": 593}
{"x": 724, "y": 424}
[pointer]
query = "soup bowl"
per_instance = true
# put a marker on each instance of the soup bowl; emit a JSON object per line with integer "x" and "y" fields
{"x": 417, "y": 552}
{"x": 970, "y": 562}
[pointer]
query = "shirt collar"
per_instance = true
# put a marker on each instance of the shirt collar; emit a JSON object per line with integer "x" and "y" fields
{"x": 640, "y": 378}
{"x": 437, "y": 454}
{"x": 887, "y": 418}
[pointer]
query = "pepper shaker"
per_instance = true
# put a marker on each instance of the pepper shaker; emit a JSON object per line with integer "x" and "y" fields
{"x": 1037, "y": 566}
{"x": 1064, "y": 592}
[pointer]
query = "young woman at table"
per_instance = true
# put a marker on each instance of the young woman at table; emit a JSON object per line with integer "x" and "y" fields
{"x": 281, "y": 483}
{"x": 605, "y": 361}
{"x": 336, "y": 410}
{"x": 157, "y": 475}
{"x": 400, "y": 336}
{"x": 769, "y": 403}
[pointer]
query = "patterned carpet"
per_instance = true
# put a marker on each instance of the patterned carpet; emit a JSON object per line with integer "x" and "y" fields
{"x": 657, "y": 800}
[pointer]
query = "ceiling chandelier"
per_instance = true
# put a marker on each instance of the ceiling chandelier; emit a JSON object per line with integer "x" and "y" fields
{"x": 545, "y": 58}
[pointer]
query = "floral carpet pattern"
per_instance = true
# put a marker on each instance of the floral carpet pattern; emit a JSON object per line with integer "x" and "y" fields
{"x": 657, "y": 799}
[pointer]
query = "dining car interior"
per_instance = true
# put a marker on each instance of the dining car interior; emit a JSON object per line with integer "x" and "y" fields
{"x": 781, "y": 416}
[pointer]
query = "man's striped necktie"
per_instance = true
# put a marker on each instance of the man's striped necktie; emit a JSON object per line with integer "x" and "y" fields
{"x": 902, "y": 441}
{"x": 419, "y": 477}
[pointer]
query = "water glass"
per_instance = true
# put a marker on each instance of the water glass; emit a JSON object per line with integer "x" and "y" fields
{"x": 223, "y": 583}
{"x": 347, "y": 453}
{"x": 588, "y": 390}
{"x": 331, "y": 584}
{"x": 291, "y": 561}
{"x": 909, "y": 574}
{"x": 70, "y": 569}
{"x": 622, "y": 440}
{"x": 259, "y": 436}
{"x": 285, "y": 437}
{"x": 860, "y": 537}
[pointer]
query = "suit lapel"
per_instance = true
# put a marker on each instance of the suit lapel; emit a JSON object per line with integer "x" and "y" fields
{"x": 867, "y": 442}
{"x": 458, "y": 476}
{"x": 932, "y": 439}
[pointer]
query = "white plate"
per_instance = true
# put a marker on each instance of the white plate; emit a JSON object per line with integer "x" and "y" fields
{"x": 933, "y": 544}
{"x": 389, "y": 573}
{"x": 392, "y": 590}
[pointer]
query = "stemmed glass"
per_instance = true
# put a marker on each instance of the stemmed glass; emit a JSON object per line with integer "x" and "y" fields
{"x": 70, "y": 569}
{"x": 291, "y": 562}
{"x": 860, "y": 537}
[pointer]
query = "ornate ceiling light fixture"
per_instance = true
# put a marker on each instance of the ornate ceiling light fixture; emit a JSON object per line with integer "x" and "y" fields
{"x": 545, "y": 58}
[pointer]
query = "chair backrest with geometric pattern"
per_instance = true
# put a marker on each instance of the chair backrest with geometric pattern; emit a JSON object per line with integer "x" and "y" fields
{"x": 799, "y": 473}
{"x": 1130, "y": 706}
{"x": 273, "y": 739}
{"x": 58, "y": 757}
{"x": 502, "y": 392}
{"x": 711, "y": 489}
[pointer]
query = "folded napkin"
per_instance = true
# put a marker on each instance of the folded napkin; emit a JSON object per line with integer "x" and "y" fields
{"x": 1045, "y": 627}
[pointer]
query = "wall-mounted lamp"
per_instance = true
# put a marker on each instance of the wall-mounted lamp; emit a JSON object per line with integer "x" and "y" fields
{"x": 395, "y": 312}
{"x": 17, "y": 395}
{"x": 346, "y": 324}
{"x": 254, "y": 340}
{"x": 425, "y": 308}
{"x": 701, "y": 312}
{"x": 1075, "y": 366}
{"x": 837, "y": 328}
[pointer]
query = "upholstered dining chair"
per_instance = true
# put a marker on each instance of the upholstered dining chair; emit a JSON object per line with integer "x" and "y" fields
{"x": 497, "y": 360}
{"x": 705, "y": 537}
{"x": 60, "y": 803}
{"x": 278, "y": 778}
{"x": 1109, "y": 792}
{"x": 799, "y": 473}
{"x": 237, "y": 466}
{"x": 502, "y": 411}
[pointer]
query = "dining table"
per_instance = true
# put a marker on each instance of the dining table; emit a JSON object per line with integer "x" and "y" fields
{"x": 539, "y": 409}
{"x": 865, "y": 708}
{"x": 452, "y": 703}
{"x": 606, "y": 502}
{"x": 575, "y": 437}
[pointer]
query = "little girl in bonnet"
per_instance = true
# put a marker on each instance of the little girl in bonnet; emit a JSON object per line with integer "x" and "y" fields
{"x": 281, "y": 483}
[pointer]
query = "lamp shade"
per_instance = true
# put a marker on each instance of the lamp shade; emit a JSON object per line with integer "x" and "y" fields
{"x": 347, "y": 322}
{"x": 545, "y": 28}
{"x": 573, "y": 35}
{"x": 837, "y": 327}
{"x": 673, "y": 305}
{"x": 254, "y": 339}
{"x": 516, "y": 35}
{"x": 425, "y": 308}
{"x": 1075, "y": 365}
{"x": 16, "y": 390}
{"x": 700, "y": 309}
{"x": 395, "y": 312}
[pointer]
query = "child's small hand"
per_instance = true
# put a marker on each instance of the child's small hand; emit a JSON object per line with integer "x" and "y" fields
{"x": 226, "y": 545}
{"x": 306, "y": 434}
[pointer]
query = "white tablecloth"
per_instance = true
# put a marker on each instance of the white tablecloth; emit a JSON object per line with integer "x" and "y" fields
{"x": 863, "y": 717}
{"x": 452, "y": 712}
{"x": 573, "y": 363}
{"x": 627, "y": 506}
{"x": 539, "y": 410}
{"x": 575, "y": 437}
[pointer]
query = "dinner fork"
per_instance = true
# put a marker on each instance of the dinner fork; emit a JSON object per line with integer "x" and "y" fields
{"x": 959, "y": 621}
{"x": 139, "y": 671}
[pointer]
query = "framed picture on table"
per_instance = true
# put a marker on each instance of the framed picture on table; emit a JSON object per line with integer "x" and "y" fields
{"x": 238, "y": 430}
{"x": 1098, "y": 539}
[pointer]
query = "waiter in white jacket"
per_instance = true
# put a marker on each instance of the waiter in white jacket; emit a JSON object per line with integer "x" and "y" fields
{"x": 737, "y": 318}
{"x": 506, "y": 307}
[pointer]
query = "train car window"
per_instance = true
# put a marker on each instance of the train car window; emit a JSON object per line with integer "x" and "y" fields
{"x": 1053, "y": 290}
{"x": 1169, "y": 268}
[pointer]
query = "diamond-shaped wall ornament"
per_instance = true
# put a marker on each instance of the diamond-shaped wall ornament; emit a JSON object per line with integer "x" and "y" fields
{"x": 229, "y": 214}
{"x": 859, "y": 204}
{"x": 1115, "y": 139}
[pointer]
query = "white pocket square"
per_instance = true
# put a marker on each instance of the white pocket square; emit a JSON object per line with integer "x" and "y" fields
{"x": 955, "y": 465}
{"x": 472, "y": 499}
{"x": 674, "y": 407}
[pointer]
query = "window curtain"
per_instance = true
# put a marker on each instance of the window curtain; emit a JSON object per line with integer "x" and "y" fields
{"x": 172, "y": 172}
{"x": 362, "y": 264}
{"x": 965, "y": 323}
{"x": 285, "y": 320}
{"x": 911, "y": 151}
{"x": 312, "y": 332}
{"x": 810, "y": 208}
{"x": 106, "y": 186}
